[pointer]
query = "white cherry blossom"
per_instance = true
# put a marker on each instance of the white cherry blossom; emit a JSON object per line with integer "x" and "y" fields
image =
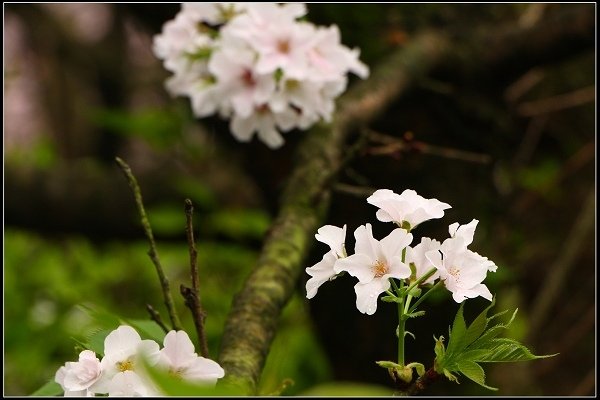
{"x": 77, "y": 378}
{"x": 374, "y": 262}
{"x": 123, "y": 349}
{"x": 179, "y": 358}
{"x": 406, "y": 208}
{"x": 257, "y": 65}
{"x": 461, "y": 269}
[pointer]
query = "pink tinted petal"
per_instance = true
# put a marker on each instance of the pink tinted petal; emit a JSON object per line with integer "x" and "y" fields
{"x": 150, "y": 350}
{"x": 435, "y": 258}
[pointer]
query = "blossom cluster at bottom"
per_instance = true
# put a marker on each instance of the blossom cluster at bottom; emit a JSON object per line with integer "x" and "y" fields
{"x": 120, "y": 372}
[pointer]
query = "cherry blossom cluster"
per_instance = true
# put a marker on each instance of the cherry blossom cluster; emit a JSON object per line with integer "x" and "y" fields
{"x": 121, "y": 373}
{"x": 257, "y": 65}
{"x": 375, "y": 262}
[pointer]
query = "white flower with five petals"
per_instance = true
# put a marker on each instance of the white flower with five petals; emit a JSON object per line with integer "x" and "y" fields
{"x": 123, "y": 349}
{"x": 461, "y": 269}
{"x": 374, "y": 262}
{"x": 406, "y": 208}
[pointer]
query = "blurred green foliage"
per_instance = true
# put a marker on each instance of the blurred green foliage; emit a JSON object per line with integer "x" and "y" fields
{"x": 46, "y": 280}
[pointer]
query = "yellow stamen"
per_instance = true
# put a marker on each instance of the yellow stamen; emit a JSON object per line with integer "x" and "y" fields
{"x": 380, "y": 269}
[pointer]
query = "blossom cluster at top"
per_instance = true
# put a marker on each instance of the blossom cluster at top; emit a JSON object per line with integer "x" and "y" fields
{"x": 374, "y": 261}
{"x": 256, "y": 64}
{"x": 120, "y": 372}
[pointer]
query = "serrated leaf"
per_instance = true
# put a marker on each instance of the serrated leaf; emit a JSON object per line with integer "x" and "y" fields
{"x": 415, "y": 314}
{"x": 50, "y": 388}
{"x": 451, "y": 377}
{"x": 457, "y": 334}
{"x": 478, "y": 325}
{"x": 95, "y": 341}
{"x": 474, "y": 372}
{"x": 506, "y": 350}
{"x": 391, "y": 299}
{"x": 495, "y": 330}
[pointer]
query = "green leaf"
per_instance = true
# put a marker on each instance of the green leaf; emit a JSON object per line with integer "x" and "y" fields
{"x": 457, "y": 334}
{"x": 478, "y": 325}
{"x": 415, "y": 314}
{"x": 504, "y": 350}
{"x": 495, "y": 330}
{"x": 474, "y": 372}
{"x": 95, "y": 341}
{"x": 50, "y": 388}
{"x": 391, "y": 299}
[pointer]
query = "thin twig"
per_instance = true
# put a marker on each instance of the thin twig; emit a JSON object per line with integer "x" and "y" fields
{"x": 153, "y": 253}
{"x": 192, "y": 296}
{"x": 557, "y": 103}
{"x": 155, "y": 316}
{"x": 392, "y": 145}
{"x": 357, "y": 191}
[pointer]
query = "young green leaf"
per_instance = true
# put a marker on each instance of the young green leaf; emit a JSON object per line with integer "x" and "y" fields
{"x": 504, "y": 350}
{"x": 478, "y": 325}
{"x": 457, "y": 334}
{"x": 474, "y": 372}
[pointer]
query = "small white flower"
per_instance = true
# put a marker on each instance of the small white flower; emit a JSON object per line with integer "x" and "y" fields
{"x": 406, "y": 208}
{"x": 416, "y": 256}
{"x": 179, "y": 358}
{"x": 265, "y": 123}
{"x": 123, "y": 348}
{"x": 373, "y": 263}
{"x": 461, "y": 269}
{"x": 323, "y": 271}
{"x": 76, "y": 378}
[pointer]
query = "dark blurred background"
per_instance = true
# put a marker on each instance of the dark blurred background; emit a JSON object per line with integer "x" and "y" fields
{"x": 510, "y": 143}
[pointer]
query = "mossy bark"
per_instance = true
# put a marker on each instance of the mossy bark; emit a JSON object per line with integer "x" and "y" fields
{"x": 252, "y": 322}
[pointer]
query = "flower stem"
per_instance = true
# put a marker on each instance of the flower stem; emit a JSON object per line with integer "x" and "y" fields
{"x": 401, "y": 330}
{"x": 424, "y": 296}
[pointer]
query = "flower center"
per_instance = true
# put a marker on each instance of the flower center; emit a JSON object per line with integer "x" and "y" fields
{"x": 126, "y": 365}
{"x": 455, "y": 272}
{"x": 283, "y": 46}
{"x": 176, "y": 373}
{"x": 248, "y": 79}
{"x": 380, "y": 269}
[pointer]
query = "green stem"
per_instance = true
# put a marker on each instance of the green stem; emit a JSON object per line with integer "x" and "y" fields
{"x": 421, "y": 279}
{"x": 401, "y": 330}
{"x": 407, "y": 303}
{"x": 424, "y": 296}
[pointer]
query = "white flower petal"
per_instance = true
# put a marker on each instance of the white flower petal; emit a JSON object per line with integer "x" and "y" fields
{"x": 178, "y": 350}
{"x": 320, "y": 273}
{"x": 393, "y": 244}
{"x": 358, "y": 265}
{"x": 334, "y": 237}
{"x": 368, "y": 293}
